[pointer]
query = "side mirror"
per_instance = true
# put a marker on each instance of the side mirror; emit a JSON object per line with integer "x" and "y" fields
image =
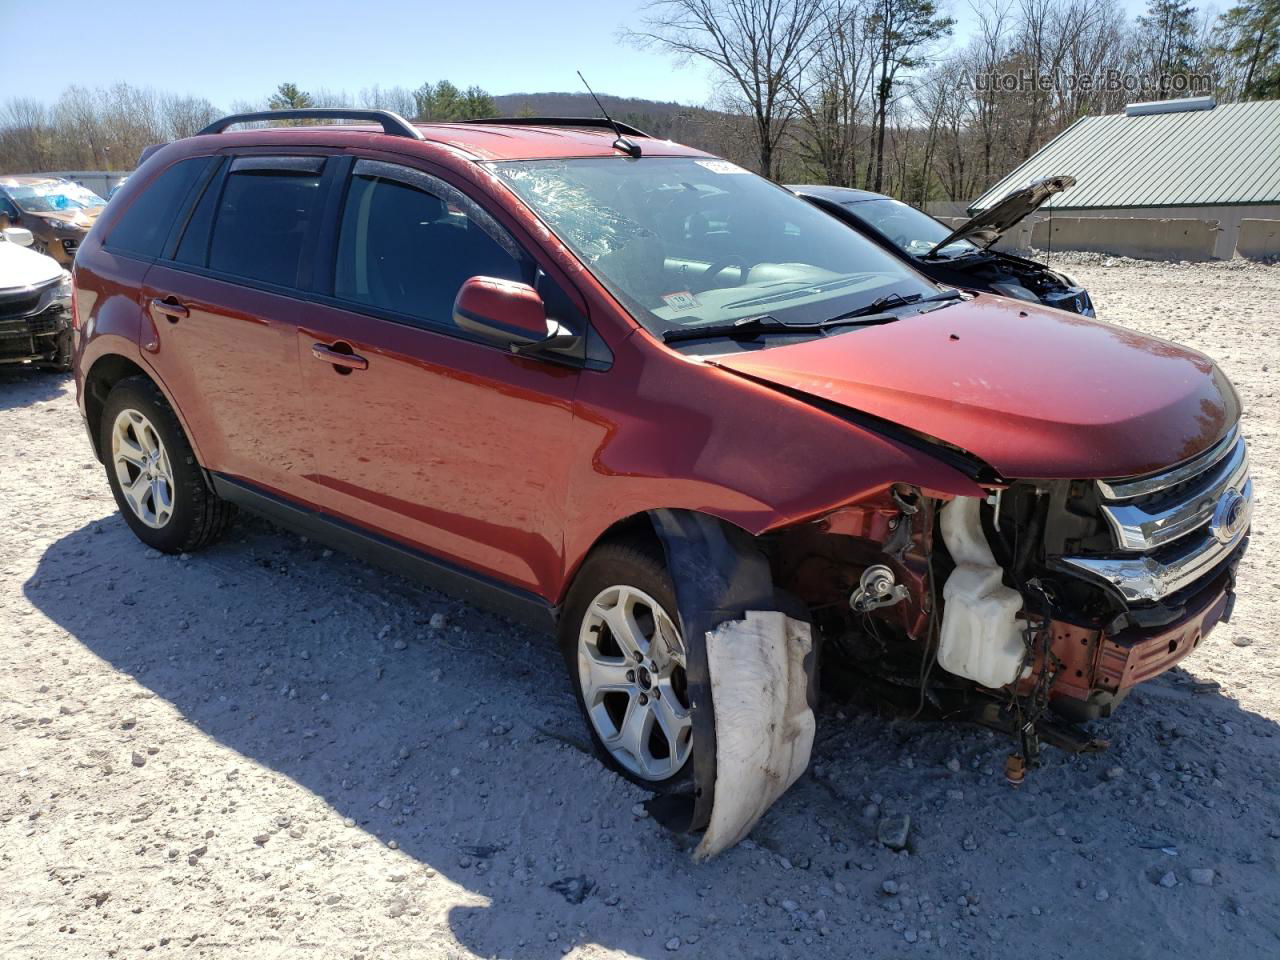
{"x": 512, "y": 314}
{"x": 503, "y": 311}
{"x": 19, "y": 235}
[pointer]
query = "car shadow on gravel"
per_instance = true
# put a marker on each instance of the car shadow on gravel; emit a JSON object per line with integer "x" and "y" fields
{"x": 22, "y": 385}
{"x": 460, "y": 744}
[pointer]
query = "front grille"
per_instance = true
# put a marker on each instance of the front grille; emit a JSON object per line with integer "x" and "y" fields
{"x": 1170, "y": 529}
{"x": 1153, "y": 511}
{"x": 19, "y": 305}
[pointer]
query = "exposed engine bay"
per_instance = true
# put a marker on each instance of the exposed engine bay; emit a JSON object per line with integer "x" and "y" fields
{"x": 1033, "y": 610}
{"x": 1019, "y": 278}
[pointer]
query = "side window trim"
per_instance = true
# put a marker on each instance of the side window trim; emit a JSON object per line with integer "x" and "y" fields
{"x": 421, "y": 180}
{"x": 169, "y": 248}
{"x": 277, "y": 164}
{"x": 323, "y": 266}
{"x": 312, "y": 240}
{"x": 599, "y": 356}
{"x": 183, "y": 210}
{"x": 213, "y": 192}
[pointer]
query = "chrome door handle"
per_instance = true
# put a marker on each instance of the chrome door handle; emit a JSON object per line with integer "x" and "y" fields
{"x": 348, "y": 361}
{"x": 170, "y": 307}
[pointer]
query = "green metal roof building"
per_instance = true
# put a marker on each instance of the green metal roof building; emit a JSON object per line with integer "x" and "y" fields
{"x": 1186, "y": 159}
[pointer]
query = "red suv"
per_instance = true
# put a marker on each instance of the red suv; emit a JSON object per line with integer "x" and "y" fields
{"x": 633, "y": 393}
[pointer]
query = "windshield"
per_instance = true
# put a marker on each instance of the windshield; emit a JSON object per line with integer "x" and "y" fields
{"x": 912, "y": 230}
{"x": 684, "y": 241}
{"x": 54, "y": 197}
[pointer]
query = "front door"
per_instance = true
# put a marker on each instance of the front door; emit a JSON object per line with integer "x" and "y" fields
{"x": 421, "y": 434}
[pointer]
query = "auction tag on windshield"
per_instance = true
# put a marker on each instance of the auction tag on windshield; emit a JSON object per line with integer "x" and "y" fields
{"x": 684, "y": 300}
{"x": 720, "y": 166}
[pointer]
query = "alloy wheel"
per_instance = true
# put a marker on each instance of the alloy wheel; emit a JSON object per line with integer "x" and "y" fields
{"x": 142, "y": 468}
{"x": 631, "y": 667}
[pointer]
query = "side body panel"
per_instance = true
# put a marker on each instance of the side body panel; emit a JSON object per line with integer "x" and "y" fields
{"x": 452, "y": 445}
{"x": 232, "y": 366}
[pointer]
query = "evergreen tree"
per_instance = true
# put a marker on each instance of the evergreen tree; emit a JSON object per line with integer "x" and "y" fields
{"x": 1250, "y": 47}
{"x": 289, "y": 97}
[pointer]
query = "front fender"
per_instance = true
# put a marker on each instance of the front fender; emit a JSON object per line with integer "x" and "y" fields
{"x": 660, "y": 430}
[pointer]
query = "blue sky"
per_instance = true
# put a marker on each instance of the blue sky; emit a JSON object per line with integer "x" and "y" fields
{"x": 232, "y": 50}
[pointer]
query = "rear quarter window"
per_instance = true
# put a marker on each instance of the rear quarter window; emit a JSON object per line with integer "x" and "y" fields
{"x": 143, "y": 228}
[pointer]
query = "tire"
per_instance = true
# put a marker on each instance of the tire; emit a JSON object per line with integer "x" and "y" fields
{"x": 173, "y": 508}
{"x": 633, "y": 702}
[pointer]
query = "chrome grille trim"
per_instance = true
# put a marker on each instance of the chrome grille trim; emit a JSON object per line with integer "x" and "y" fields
{"x": 1143, "y": 527}
{"x": 1152, "y": 577}
{"x": 1144, "y": 486}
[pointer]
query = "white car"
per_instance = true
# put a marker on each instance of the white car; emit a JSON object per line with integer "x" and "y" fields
{"x": 35, "y": 304}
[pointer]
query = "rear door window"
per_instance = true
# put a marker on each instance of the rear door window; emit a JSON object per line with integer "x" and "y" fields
{"x": 266, "y": 217}
{"x": 143, "y": 227}
{"x": 408, "y": 241}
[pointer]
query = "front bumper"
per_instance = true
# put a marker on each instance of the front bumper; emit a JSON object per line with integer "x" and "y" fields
{"x": 32, "y": 319}
{"x": 33, "y": 338}
{"x": 1098, "y": 669}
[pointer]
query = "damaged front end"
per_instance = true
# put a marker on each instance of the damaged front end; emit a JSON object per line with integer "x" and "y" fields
{"x": 1032, "y": 610}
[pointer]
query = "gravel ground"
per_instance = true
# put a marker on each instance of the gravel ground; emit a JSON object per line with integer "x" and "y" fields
{"x": 270, "y": 750}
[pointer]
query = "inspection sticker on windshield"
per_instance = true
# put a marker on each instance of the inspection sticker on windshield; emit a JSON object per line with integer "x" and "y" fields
{"x": 684, "y": 300}
{"x": 720, "y": 166}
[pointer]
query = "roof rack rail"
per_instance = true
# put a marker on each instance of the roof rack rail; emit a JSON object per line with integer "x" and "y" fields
{"x": 599, "y": 122}
{"x": 392, "y": 123}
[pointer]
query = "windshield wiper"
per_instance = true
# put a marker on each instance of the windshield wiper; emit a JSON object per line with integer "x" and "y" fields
{"x": 744, "y": 328}
{"x": 747, "y": 328}
{"x": 881, "y": 304}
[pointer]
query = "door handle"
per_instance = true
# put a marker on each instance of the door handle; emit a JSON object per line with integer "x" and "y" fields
{"x": 170, "y": 307}
{"x": 339, "y": 358}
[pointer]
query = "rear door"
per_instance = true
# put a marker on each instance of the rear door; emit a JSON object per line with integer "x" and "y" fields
{"x": 226, "y": 309}
{"x": 424, "y": 434}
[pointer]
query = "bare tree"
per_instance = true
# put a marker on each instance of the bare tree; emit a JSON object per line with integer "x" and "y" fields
{"x": 396, "y": 99}
{"x": 760, "y": 48}
{"x": 186, "y": 116}
{"x": 26, "y": 135}
{"x": 831, "y": 103}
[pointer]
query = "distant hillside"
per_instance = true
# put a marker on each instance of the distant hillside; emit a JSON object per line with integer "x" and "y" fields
{"x": 709, "y": 130}
{"x": 581, "y": 104}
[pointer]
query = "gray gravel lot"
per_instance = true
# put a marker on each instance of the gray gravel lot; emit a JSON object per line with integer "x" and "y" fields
{"x": 271, "y": 750}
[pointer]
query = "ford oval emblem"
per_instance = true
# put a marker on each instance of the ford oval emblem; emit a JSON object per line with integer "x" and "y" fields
{"x": 1229, "y": 516}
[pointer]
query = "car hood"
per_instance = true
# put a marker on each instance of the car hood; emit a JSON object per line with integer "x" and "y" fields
{"x": 988, "y": 226}
{"x": 20, "y": 267}
{"x": 1033, "y": 392}
{"x": 73, "y": 219}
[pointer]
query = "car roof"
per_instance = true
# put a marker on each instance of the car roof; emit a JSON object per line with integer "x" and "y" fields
{"x": 835, "y": 194}
{"x": 480, "y": 141}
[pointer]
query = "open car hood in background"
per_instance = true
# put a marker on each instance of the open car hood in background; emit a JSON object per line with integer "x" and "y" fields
{"x": 1035, "y": 393}
{"x": 988, "y": 226}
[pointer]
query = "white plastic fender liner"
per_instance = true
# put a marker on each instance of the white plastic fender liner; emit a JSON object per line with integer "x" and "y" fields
{"x": 981, "y": 638}
{"x": 764, "y": 723}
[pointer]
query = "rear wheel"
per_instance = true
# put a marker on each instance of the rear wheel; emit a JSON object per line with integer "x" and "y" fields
{"x": 157, "y": 483}
{"x": 627, "y": 662}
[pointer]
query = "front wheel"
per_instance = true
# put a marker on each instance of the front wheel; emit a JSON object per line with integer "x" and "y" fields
{"x": 155, "y": 479}
{"x": 627, "y": 663}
